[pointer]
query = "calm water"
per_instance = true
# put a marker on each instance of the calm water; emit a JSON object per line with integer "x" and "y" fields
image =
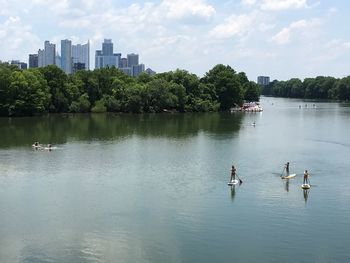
{"x": 153, "y": 188}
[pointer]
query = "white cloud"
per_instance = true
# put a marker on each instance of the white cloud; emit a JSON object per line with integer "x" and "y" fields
{"x": 283, "y": 4}
{"x": 234, "y": 25}
{"x": 248, "y": 2}
{"x": 298, "y": 27}
{"x": 178, "y": 9}
{"x": 17, "y": 39}
{"x": 275, "y": 5}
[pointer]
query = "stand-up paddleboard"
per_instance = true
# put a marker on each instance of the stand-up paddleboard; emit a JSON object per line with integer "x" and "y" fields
{"x": 233, "y": 182}
{"x": 50, "y": 148}
{"x": 305, "y": 186}
{"x": 288, "y": 176}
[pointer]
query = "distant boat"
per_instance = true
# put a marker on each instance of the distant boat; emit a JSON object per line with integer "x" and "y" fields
{"x": 248, "y": 107}
{"x": 251, "y": 107}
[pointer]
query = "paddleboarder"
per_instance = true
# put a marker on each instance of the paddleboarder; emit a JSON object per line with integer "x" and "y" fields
{"x": 306, "y": 177}
{"x": 287, "y": 168}
{"x": 233, "y": 173}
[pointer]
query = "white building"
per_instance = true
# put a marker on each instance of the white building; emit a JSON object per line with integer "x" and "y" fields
{"x": 81, "y": 54}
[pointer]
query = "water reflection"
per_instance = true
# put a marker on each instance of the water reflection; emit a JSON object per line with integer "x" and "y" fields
{"x": 306, "y": 194}
{"x": 233, "y": 192}
{"x": 286, "y": 185}
{"x": 59, "y": 128}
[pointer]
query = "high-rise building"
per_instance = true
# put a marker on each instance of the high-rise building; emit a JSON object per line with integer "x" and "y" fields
{"x": 46, "y": 56}
{"x": 127, "y": 71}
{"x": 58, "y": 61}
{"x": 66, "y": 56}
{"x": 78, "y": 66}
{"x": 33, "y": 60}
{"x": 263, "y": 80}
{"x": 138, "y": 69}
{"x": 98, "y": 59}
{"x": 19, "y": 64}
{"x": 123, "y": 63}
{"x": 41, "y": 58}
{"x": 106, "y": 57}
{"x": 81, "y": 54}
{"x": 50, "y": 53}
{"x": 107, "y": 47}
{"x": 133, "y": 60}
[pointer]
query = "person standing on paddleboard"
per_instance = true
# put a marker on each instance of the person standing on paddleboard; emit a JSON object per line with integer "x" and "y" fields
{"x": 233, "y": 173}
{"x": 287, "y": 168}
{"x": 306, "y": 177}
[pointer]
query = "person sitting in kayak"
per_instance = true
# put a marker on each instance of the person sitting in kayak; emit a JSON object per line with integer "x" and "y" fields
{"x": 306, "y": 177}
{"x": 287, "y": 168}
{"x": 233, "y": 173}
{"x": 36, "y": 144}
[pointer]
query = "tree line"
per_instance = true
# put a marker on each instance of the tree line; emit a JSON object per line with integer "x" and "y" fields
{"x": 49, "y": 89}
{"x": 311, "y": 88}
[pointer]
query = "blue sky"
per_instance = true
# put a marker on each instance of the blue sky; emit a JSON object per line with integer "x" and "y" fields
{"x": 279, "y": 38}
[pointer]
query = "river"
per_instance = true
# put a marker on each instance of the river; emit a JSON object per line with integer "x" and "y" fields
{"x": 153, "y": 188}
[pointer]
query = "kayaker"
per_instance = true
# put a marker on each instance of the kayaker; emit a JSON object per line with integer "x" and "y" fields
{"x": 306, "y": 177}
{"x": 233, "y": 173}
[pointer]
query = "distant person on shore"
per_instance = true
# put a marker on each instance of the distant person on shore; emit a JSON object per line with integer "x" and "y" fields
{"x": 306, "y": 177}
{"x": 233, "y": 173}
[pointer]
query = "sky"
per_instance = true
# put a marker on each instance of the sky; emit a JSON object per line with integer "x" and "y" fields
{"x": 282, "y": 39}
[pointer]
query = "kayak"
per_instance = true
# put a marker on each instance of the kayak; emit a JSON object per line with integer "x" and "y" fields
{"x": 305, "y": 186}
{"x": 288, "y": 176}
{"x": 233, "y": 182}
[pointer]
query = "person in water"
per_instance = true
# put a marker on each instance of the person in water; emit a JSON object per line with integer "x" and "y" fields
{"x": 233, "y": 173}
{"x": 306, "y": 177}
{"x": 286, "y": 166}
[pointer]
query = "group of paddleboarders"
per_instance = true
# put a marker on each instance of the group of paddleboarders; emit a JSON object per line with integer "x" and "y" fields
{"x": 306, "y": 174}
{"x": 286, "y": 167}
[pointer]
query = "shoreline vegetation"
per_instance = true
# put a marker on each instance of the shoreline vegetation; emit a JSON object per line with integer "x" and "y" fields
{"x": 320, "y": 88}
{"x": 49, "y": 90}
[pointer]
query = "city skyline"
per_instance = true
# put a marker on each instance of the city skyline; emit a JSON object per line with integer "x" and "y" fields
{"x": 278, "y": 38}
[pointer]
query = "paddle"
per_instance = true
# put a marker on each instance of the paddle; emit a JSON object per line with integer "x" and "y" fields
{"x": 240, "y": 181}
{"x": 283, "y": 171}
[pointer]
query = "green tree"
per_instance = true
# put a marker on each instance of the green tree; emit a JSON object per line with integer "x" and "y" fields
{"x": 227, "y": 85}
{"x": 251, "y": 91}
{"x": 56, "y": 80}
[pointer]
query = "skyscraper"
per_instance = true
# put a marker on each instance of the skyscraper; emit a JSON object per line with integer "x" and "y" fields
{"x": 133, "y": 60}
{"x": 41, "y": 58}
{"x": 123, "y": 63}
{"x": 98, "y": 59}
{"x": 58, "y": 60}
{"x": 107, "y": 47}
{"x": 105, "y": 57}
{"x": 46, "y": 56}
{"x": 66, "y": 56}
{"x": 137, "y": 69}
{"x": 33, "y": 60}
{"x": 81, "y": 54}
{"x": 49, "y": 53}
